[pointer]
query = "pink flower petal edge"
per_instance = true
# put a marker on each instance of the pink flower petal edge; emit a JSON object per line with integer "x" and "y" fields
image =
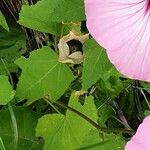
{"x": 122, "y": 27}
{"x": 141, "y": 140}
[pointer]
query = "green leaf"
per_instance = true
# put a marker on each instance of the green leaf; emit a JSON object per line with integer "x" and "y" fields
{"x": 6, "y": 91}
{"x": 111, "y": 87}
{"x": 42, "y": 75}
{"x": 3, "y": 22}
{"x": 104, "y": 113}
{"x": 48, "y": 15}
{"x": 147, "y": 113}
{"x": 67, "y": 132}
{"x": 26, "y": 123}
{"x": 69, "y": 11}
{"x": 10, "y": 45}
{"x": 38, "y": 17}
{"x": 96, "y": 65}
{"x": 94, "y": 142}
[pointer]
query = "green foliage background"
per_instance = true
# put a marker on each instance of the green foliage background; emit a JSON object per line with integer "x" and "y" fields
{"x": 45, "y": 104}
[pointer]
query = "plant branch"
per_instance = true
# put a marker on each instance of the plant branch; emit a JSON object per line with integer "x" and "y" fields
{"x": 92, "y": 122}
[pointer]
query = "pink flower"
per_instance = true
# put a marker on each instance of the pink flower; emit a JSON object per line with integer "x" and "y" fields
{"x": 122, "y": 27}
{"x": 141, "y": 140}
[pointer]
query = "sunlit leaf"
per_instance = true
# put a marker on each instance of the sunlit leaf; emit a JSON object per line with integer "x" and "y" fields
{"x": 109, "y": 141}
{"x": 67, "y": 132}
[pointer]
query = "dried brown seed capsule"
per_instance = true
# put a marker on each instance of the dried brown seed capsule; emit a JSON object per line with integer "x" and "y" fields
{"x": 70, "y": 48}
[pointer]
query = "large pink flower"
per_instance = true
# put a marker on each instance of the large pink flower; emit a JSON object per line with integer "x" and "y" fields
{"x": 122, "y": 27}
{"x": 141, "y": 140}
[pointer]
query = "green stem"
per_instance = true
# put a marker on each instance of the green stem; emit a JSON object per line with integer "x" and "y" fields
{"x": 137, "y": 101}
{"x": 52, "y": 106}
{"x": 92, "y": 122}
{"x": 148, "y": 104}
{"x": 2, "y": 147}
{"x": 13, "y": 118}
{"x": 14, "y": 124}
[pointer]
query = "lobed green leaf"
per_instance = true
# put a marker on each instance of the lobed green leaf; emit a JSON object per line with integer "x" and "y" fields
{"x": 42, "y": 75}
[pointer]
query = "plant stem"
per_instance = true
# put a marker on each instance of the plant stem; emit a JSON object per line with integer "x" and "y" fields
{"x": 137, "y": 101}
{"x": 92, "y": 122}
{"x": 121, "y": 116}
{"x": 14, "y": 124}
{"x": 2, "y": 147}
{"x": 148, "y": 104}
{"x": 52, "y": 106}
{"x": 13, "y": 118}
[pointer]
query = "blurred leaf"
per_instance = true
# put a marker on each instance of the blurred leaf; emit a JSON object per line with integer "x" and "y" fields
{"x": 67, "y": 132}
{"x": 42, "y": 75}
{"x": 26, "y": 123}
{"x": 3, "y": 22}
{"x": 2, "y": 147}
{"x": 147, "y": 113}
{"x": 111, "y": 141}
{"x": 96, "y": 65}
{"x": 146, "y": 86}
{"x": 10, "y": 45}
{"x": 6, "y": 91}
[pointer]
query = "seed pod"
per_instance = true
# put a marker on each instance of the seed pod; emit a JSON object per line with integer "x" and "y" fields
{"x": 70, "y": 48}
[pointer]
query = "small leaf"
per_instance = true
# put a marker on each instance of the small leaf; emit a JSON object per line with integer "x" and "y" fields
{"x": 67, "y": 132}
{"x": 3, "y": 22}
{"x": 6, "y": 91}
{"x": 96, "y": 65}
{"x": 42, "y": 75}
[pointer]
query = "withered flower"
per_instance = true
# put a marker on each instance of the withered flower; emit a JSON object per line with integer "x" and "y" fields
{"x": 70, "y": 48}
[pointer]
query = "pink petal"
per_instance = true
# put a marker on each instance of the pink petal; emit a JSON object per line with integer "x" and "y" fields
{"x": 122, "y": 27}
{"x": 141, "y": 140}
